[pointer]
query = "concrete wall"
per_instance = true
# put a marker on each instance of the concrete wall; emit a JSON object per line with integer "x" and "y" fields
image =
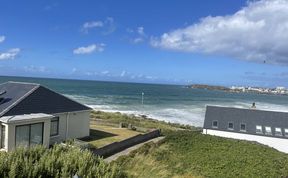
{"x": 72, "y": 125}
{"x": 122, "y": 145}
{"x": 280, "y": 144}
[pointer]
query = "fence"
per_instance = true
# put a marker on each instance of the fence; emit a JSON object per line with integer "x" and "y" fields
{"x": 116, "y": 147}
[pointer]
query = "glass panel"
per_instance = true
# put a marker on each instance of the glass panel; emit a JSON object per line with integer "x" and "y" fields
{"x": 215, "y": 124}
{"x": 243, "y": 127}
{"x": 54, "y": 127}
{"x": 36, "y": 135}
{"x": 286, "y": 132}
{"x": 22, "y": 136}
{"x": 230, "y": 126}
{"x": 3, "y": 131}
{"x": 278, "y": 131}
{"x": 258, "y": 129}
{"x": 268, "y": 131}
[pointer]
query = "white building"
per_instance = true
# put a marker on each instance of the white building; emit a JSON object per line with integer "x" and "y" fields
{"x": 31, "y": 114}
{"x": 266, "y": 127}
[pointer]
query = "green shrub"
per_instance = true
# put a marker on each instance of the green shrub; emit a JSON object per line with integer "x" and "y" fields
{"x": 59, "y": 161}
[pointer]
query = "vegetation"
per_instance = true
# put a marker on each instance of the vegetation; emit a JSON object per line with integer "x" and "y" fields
{"x": 139, "y": 121}
{"x": 59, "y": 161}
{"x": 192, "y": 154}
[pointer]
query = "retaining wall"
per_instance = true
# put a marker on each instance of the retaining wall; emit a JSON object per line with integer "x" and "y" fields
{"x": 116, "y": 147}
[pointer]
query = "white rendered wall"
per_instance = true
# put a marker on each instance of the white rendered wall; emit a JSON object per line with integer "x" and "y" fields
{"x": 72, "y": 125}
{"x": 277, "y": 143}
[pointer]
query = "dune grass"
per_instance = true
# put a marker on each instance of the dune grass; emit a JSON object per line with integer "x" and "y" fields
{"x": 192, "y": 154}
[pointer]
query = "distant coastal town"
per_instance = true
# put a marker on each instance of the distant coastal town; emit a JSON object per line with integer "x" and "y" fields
{"x": 243, "y": 89}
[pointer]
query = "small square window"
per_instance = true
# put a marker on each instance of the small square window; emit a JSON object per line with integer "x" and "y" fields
{"x": 243, "y": 127}
{"x": 268, "y": 130}
{"x": 278, "y": 131}
{"x": 286, "y": 132}
{"x": 259, "y": 129}
{"x": 230, "y": 126}
{"x": 215, "y": 124}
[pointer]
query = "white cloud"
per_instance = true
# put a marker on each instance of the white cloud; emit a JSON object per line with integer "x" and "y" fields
{"x": 107, "y": 26}
{"x": 10, "y": 54}
{"x": 32, "y": 68}
{"x": 140, "y": 31}
{"x": 257, "y": 32}
{"x": 89, "y": 49}
{"x": 106, "y": 72}
{"x": 123, "y": 73}
{"x": 2, "y": 39}
{"x": 137, "y": 40}
{"x": 93, "y": 24}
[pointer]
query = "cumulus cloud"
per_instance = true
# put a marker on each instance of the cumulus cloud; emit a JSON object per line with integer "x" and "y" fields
{"x": 257, "y": 32}
{"x": 89, "y": 49}
{"x": 2, "y": 39}
{"x": 10, "y": 54}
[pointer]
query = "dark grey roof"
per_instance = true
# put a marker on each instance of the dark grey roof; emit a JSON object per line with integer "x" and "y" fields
{"x": 250, "y": 117}
{"x": 27, "y": 98}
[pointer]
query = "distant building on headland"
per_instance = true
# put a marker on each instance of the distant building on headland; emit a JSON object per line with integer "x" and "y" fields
{"x": 277, "y": 90}
{"x": 265, "y": 127}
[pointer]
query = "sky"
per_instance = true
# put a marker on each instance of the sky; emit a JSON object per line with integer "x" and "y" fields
{"x": 219, "y": 42}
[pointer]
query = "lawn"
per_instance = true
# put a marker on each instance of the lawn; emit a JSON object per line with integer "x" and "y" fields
{"x": 192, "y": 154}
{"x": 101, "y": 135}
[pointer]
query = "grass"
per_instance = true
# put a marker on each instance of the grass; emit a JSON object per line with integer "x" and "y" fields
{"x": 138, "y": 121}
{"x": 101, "y": 135}
{"x": 192, "y": 154}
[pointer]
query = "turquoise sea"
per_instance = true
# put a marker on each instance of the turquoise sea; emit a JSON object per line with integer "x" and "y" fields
{"x": 173, "y": 103}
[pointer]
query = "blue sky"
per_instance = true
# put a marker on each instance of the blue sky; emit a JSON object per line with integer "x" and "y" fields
{"x": 219, "y": 42}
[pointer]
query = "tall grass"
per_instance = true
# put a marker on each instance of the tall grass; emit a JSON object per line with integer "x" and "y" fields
{"x": 59, "y": 161}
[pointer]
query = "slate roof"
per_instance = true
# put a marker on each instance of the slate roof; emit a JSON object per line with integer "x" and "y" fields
{"x": 26, "y": 98}
{"x": 250, "y": 117}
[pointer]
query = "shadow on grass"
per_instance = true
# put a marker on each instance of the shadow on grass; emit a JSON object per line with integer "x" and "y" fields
{"x": 97, "y": 134}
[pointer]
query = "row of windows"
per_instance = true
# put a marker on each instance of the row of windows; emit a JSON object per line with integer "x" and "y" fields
{"x": 259, "y": 129}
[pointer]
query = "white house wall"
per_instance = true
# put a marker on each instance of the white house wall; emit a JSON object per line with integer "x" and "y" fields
{"x": 72, "y": 125}
{"x": 277, "y": 143}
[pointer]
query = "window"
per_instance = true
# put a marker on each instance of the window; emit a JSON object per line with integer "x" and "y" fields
{"x": 29, "y": 135}
{"x": 54, "y": 129}
{"x": 278, "y": 131}
{"x": 3, "y": 131}
{"x": 243, "y": 127}
{"x": 230, "y": 126}
{"x": 268, "y": 130}
{"x": 286, "y": 132}
{"x": 215, "y": 124}
{"x": 259, "y": 129}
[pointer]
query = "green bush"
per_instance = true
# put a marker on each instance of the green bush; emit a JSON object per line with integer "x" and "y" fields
{"x": 59, "y": 161}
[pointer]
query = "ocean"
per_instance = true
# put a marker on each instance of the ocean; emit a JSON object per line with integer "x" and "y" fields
{"x": 171, "y": 103}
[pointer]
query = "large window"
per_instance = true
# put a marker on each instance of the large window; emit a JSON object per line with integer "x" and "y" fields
{"x": 3, "y": 131}
{"x": 29, "y": 135}
{"x": 54, "y": 130}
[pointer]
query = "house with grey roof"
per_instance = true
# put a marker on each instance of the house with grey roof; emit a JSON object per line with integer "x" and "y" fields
{"x": 31, "y": 114}
{"x": 265, "y": 127}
